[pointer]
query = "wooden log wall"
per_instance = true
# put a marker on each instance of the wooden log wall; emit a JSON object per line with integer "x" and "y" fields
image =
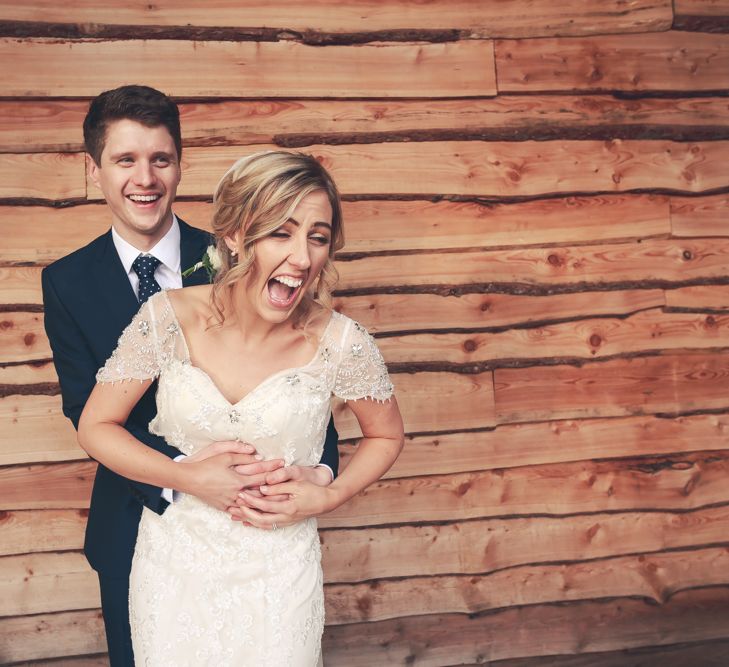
{"x": 536, "y": 202}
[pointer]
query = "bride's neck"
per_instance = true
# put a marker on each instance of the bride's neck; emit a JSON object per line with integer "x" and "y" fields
{"x": 241, "y": 315}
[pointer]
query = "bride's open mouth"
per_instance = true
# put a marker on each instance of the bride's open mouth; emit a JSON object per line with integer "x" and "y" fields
{"x": 283, "y": 290}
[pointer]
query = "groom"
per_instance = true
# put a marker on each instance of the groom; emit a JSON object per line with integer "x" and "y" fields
{"x": 133, "y": 144}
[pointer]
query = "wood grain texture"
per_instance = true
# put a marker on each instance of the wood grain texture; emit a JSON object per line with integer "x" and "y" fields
{"x": 702, "y": 216}
{"x": 41, "y": 636}
{"x": 647, "y": 331}
{"x": 652, "y": 262}
{"x": 30, "y": 531}
{"x": 55, "y": 125}
{"x": 48, "y": 68}
{"x": 47, "y": 176}
{"x": 382, "y": 313}
{"x": 667, "y": 61}
{"x": 654, "y": 578}
{"x": 43, "y": 583}
{"x": 683, "y": 482}
{"x": 493, "y": 545}
{"x": 514, "y": 445}
{"x": 436, "y": 640}
{"x": 22, "y": 337}
{"x": 665, "y": 384}
{"x": 38, "y": 234}
{"x": 509, "y": 19}
{"x": 36, "y": 430}
{"x": 702, "y": 297}
{"x": 498, "y": 169}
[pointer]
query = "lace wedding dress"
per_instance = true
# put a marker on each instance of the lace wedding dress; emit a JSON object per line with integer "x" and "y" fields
{"x": 205, "y": 590}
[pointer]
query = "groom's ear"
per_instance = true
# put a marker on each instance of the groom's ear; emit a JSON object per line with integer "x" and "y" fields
{"x": 92, "y": 169}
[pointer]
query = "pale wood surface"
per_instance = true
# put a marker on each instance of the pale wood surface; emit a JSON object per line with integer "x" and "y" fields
{"x": 436, "y": 640}
{"x": 702, "y": 7}
{"x": 55, "y": 125}
{"x": 499, "y": 168}
{"x": 705, "y": 216}
{"x": 665, "y": 384}
{"x": 666, "y": 61}
{"x": 42, "y": 176}
{"x": 40, "y": 234}
{"x": 509, "y": 19}
{"x": 248, "y": 69}
{"x": 707, "y": 297}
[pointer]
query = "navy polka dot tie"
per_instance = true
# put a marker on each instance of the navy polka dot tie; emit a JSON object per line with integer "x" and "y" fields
{"x": 145, "y": 266}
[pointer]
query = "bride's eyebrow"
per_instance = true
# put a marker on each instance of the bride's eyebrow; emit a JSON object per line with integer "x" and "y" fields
{"x": 316, "y": 224}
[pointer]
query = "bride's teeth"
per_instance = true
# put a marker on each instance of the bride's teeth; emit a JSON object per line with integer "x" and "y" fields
{"x": 289, "y": 282}
{"x": 143, "y": 198}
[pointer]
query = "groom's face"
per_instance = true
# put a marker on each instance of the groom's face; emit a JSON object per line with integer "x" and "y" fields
{"x": 139, "y": 172}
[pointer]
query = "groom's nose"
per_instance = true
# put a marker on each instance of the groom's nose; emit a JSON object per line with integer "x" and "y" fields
{"x": 144, "y": 175}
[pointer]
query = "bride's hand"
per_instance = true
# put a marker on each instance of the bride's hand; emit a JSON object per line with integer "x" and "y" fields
{"x": 303, "y": 499}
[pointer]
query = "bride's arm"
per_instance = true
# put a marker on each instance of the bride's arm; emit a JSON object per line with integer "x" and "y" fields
{"x": 102, "y": 435}
{"x": 382, "y": 441}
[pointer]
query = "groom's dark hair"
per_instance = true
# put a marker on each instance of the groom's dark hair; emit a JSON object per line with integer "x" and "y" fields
{"x": 142, "y": 104}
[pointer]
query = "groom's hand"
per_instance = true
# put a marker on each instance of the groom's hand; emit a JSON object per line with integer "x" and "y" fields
{"x": 220, "y": 471}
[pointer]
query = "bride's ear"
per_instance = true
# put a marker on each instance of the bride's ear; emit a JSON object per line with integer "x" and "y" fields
{"x": 231, "y": 244}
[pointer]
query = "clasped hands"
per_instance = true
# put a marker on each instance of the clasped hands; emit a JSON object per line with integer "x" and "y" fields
{"x": 233, "y": 477}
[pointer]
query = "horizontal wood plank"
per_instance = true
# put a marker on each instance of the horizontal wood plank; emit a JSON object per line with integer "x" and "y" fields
{"x": 508, "y": 19}
{"x": 700, "y": 297}
{"x": 702, "y": 216}
{"x": 48, "y": 176}
{"x": 55, "y": 125}
{"x": 74, "y": 633}
{"x": 492, "y": 545}
{"x": 37, "y": 430}
{"x": 436, "y": 640}
{"x": 666, "y": 61}
{"x": 664, "y": 384}
{"x": 500, "y": 169}
{"x": 40, "y": 235}
{"x": 647, "y": 331}
{"x": 43, "y": 583}
{"x": 561, "y": 488}
{"x": 514, "y": 445}
{"x": 651, "y": 263}
{"x": 23, "y": 337}
{"x": 51, "y": 68}
{"x": 654, "y": 577}
{"x": 30, "y": 531}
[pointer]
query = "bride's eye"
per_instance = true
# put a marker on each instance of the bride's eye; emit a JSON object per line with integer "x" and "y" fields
{"x": 280, "y": 234}
{"x": 320, "y": 239}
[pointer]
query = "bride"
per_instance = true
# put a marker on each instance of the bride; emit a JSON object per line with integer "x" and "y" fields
{"x": 255, "y": 357}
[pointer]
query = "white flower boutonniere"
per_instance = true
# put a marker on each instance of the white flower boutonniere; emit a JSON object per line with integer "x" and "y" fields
{"x": 210, "y": 261}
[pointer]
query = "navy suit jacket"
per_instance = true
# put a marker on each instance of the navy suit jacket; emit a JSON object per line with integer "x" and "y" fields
{"x": 88, "y": 302}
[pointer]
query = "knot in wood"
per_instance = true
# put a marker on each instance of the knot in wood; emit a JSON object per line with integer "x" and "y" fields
{"x": 5, "y": 325}
{"x": 29, "y": 339}
{"x": 687, "y": 255}
{"x": 485, "y": 306}
{"x": 470, "y": 345}
{"x": 710, "y": 322}
{"x": 595, "y": 340}
{"x": 555, "y": 260}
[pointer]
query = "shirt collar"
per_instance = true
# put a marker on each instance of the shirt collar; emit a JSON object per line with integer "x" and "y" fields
{"x": 166, "y": 250}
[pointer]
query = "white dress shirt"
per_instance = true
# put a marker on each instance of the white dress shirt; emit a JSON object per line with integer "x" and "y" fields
{"x": 166, "y": 250}
{"x": 168, "y": 275}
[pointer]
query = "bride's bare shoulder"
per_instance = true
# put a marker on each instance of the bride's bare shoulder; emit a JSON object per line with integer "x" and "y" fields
{"x": 190, "y": 304}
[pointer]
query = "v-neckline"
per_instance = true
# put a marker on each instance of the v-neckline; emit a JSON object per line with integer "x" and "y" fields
{"x": 207, "y": 376}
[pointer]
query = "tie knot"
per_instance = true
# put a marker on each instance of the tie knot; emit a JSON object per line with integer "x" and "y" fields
{"x": 145, "y": 266}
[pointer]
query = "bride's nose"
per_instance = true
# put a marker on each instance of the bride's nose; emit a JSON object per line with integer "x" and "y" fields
{"x": 299, "y": 256}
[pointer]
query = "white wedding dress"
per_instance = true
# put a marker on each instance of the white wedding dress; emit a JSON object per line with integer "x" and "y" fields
{"x": 205, "y": 590}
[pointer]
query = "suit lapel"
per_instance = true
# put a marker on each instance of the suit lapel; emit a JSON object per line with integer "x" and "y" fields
{"x": 193, "y": 244}
{"x": 115, "y": 293}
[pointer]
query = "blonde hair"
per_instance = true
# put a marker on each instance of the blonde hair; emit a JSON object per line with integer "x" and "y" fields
{"x": 253, "y": 199}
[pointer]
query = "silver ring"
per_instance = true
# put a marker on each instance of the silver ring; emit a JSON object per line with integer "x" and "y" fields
{"x": 274, "y": 526}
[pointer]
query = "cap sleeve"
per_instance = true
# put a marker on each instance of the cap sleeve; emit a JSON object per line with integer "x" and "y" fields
{"x": 138, "y": 353}
{"x": 362, "y": 372}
